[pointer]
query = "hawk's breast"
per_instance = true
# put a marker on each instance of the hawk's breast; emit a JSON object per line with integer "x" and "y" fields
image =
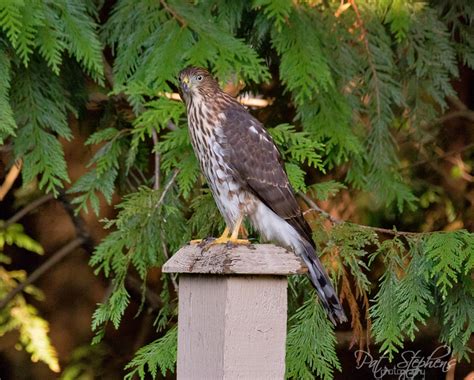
{"x": 208, "y": 141}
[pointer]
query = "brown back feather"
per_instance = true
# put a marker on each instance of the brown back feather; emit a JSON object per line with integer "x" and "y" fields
{"x": 258, "y": 165}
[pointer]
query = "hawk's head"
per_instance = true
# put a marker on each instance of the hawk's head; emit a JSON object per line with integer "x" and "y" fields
{"x": 196, "y": 81}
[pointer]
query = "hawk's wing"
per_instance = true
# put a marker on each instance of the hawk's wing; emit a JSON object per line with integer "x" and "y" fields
{"x": 257, "y": 163}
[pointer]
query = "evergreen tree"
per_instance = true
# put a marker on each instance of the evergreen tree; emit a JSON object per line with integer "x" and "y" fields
{"x": 358, "y": 89}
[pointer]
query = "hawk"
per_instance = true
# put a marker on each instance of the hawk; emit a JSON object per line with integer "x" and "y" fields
{"x": 246, "y": 175}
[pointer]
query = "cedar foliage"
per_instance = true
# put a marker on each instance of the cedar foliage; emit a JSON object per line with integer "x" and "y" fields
{"x": 21, "y": 316}
{"x": 358, "y": 77}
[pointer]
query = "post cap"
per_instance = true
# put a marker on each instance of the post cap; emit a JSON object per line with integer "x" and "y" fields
{"x": 263, "y": 259}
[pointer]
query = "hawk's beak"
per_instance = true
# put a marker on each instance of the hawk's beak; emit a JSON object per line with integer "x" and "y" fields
{"x": 185, "y": 84}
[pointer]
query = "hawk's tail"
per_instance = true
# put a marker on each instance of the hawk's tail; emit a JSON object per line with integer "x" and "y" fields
{"x": 322, "y": 284}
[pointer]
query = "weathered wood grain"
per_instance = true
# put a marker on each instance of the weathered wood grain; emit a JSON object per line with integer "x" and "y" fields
{"x": 219, "y": 259}
{"x": 231, "y": 327}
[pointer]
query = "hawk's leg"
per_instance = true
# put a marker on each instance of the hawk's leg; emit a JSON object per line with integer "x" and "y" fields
{"x": 224, "y": 235}
{"x": 233, "y": 238}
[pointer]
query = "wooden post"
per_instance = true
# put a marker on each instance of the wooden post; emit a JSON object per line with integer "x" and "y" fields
{"x": 232, "y": 311}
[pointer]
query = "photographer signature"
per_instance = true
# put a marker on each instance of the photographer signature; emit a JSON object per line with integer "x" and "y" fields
{"x": 411, "y": 363}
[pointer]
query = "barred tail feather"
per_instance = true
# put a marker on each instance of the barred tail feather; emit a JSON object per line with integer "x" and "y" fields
{"x": 322, "y": 284}
{"x": 274, "y": 227}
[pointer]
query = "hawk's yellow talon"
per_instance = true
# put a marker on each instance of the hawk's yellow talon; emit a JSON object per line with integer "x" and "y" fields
{"x": 224, "y": 235}
{"x": 233, "y": 239}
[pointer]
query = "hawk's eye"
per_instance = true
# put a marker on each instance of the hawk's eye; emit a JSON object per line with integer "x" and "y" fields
{"x": 199, "y": 77}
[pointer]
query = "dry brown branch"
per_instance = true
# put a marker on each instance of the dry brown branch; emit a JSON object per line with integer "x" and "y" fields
{"x": 153, "y": 299}
{"x": 439, "y": 157}
{"x": 246, "y": 101}
{"x": 137, "y": 180}
{"x": 456, "y": 102}
{"x": 314, "y": 207}
{"x": 96, "y": 99}
{"x": 108, "y": 72}
{"x": 42, "y": 269}
{"x": 80, "y": 227}
{"x": 10, "y": 179}
{"x": 342, "y": 8}
{"x": 156, "y": 182}
{"x": 28, "y": 208}
{"x": 358, "y": 333}
{"x": 254, "y": 102}
{"x": 83, "y": 239}
{"x": 465, "y": 114}
{"x": 173, "y": 13}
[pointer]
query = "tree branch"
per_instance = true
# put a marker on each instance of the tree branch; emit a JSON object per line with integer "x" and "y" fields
{"x": 245, "y": 100}
{"x": 440, "y": 157}
{"x": 466, "y": 114}
{"x": 83, "y": 239}
{"x": 137, "y": 180}
{"x": 108, "y": 72}
{"x": 43, "y": 268}
{"x": 167, "y": 188}
{"x": 10, "y": 179}
{"x": 314, "y": 207}
{"x": 456, "y": 102}
{"x": 173, "y": 13}
{"x": 141, "y": 175}
{"x": 28, "y": 208}
{"x": 79, "y": 223}
{"x": 153, "y": 299}
{"x": 156, "y": 182}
